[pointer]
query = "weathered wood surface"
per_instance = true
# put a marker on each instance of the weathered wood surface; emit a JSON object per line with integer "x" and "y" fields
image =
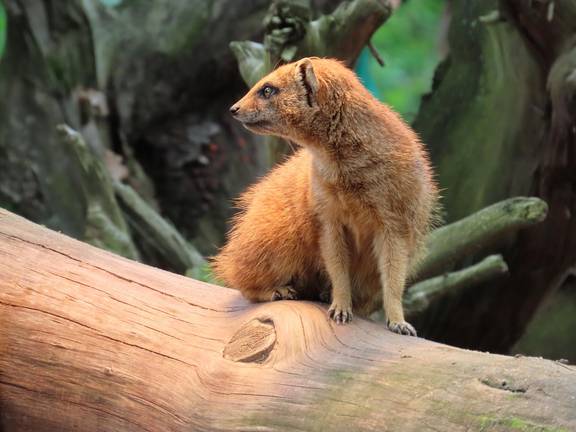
{"x": 94, "y": 342}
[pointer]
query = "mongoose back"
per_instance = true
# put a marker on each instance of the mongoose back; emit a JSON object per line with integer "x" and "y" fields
{"x": 348, "y": 211}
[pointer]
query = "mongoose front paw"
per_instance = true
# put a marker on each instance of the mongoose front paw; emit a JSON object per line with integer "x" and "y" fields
{"x": 402, "y": 328}
{"x": 284, "y": 293}
{"x": 341, "y": 314}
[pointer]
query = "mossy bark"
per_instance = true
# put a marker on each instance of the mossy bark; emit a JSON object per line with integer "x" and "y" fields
{"x": 157, "y": 96}
{"x": 499, "y": 123}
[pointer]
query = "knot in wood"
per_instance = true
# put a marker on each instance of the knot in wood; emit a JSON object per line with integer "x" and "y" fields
{"x": 253, "y": 343}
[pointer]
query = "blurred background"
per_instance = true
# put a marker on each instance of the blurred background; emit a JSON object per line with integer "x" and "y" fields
{"x": 150, "y": 160}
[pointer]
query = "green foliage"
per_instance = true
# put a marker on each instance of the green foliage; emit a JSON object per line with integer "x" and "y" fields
{"x": 408, "y": 43}
{"x": 203, "y": 273}
{"x": 2, "y": 28}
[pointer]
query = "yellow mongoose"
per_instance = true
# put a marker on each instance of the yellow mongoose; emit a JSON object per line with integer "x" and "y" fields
{"x": 349, "y": 210}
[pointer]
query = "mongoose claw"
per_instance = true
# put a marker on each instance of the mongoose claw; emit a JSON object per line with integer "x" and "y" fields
{"x": 284, "y": 293}
{"x": 402, "y": 328}
{"x": 340, "y": 315}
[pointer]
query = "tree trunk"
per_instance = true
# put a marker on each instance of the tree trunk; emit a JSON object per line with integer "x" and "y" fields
{"x": 160, "y": 96}
{"x": 92, "y": 341}
{"x": 500, "y": 122}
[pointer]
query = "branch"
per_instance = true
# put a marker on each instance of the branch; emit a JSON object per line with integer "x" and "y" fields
{"x": 290, "y": 34}
{"x": 157, "y": 232}
{"x": 376, "y": 54}
{"x": 478, "y": 231}
{"x": 419, "y": 296}
{"x": 345, "y": 32}
{"x": 105, "y": 225}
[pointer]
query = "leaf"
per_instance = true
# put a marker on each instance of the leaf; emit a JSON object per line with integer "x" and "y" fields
{"x": 250, "y": 57}
{"x": 2, "y": 28}
{"x": 289, "y": 53}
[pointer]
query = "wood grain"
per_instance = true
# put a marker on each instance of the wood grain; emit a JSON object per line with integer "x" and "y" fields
{"x": 94, "y": 342}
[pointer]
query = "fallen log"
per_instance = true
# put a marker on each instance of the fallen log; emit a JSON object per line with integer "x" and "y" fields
{"x": 93, "y": 341}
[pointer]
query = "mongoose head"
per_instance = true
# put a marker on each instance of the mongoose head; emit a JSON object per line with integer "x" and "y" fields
{"x": 293, "y": 100}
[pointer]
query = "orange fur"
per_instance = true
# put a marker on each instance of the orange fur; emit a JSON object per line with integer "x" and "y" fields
{"x": 348, "y": 210}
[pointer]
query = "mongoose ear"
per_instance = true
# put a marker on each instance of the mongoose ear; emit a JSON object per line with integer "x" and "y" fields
{"x": 306, "y": 76}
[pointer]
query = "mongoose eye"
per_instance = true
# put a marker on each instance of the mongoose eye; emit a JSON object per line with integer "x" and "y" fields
{"x": 267, "y": 91}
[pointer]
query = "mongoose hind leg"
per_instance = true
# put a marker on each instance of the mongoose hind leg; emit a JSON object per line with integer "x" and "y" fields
{"x": 286, "y": 292}
{"x": 325, "y": 295}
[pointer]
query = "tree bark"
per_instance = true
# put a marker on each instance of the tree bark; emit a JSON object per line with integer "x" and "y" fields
{"x": 500, "y": 122}
{"x": 92, "y": 341}
{"x": 160, "y": 96}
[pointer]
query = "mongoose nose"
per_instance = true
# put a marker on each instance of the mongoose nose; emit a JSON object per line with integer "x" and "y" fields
{"x": 234, "y": 109}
